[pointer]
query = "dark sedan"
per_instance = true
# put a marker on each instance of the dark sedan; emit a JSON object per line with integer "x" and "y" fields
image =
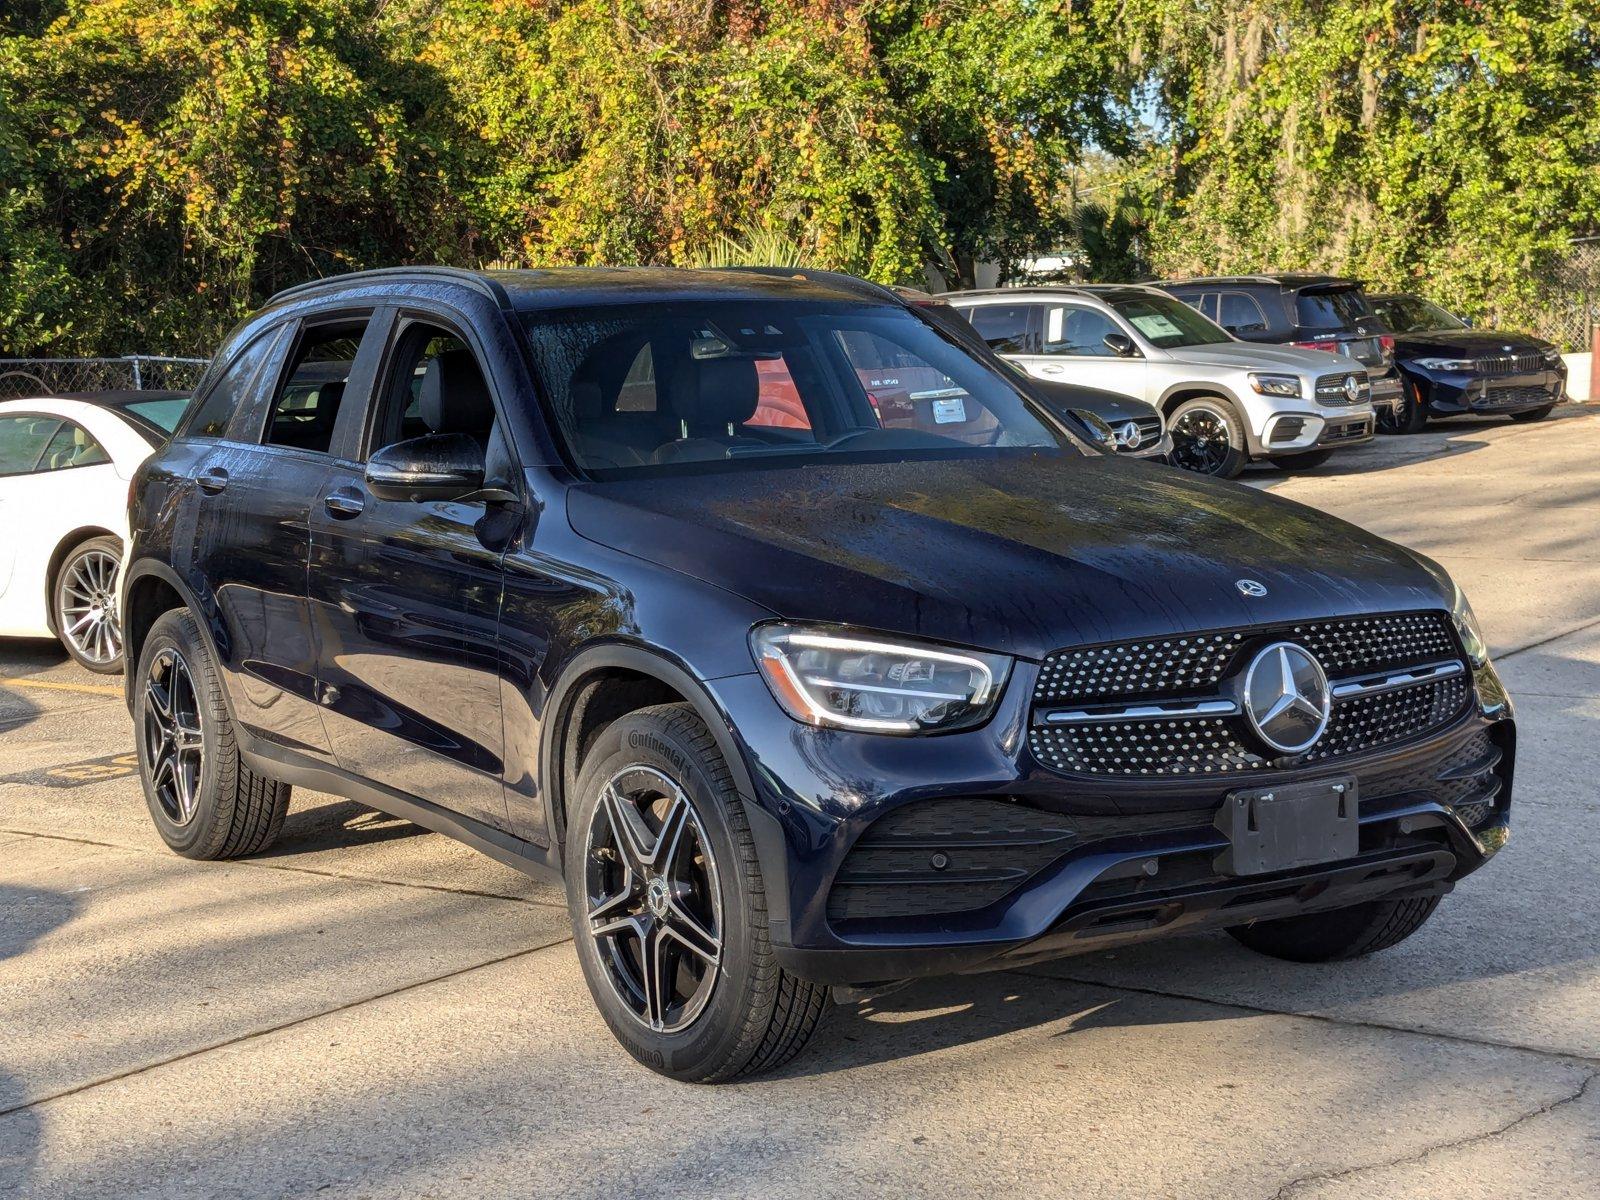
{"x": 1451, "y": 369}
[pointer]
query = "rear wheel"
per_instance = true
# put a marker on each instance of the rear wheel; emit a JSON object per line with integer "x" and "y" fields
{"x": 669, "y": 909}
{"x": 1302, "y": 462}
{"x": 1208, "y": 438}
{"x": 205, "y": 801}
{"x": 84, "y": 605}
{"x": 1341, "y": 934}
{"x": 1534, "y": 414}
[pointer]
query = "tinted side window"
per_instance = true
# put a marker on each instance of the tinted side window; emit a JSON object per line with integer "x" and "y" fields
{"x": 1078, "y": 331}
{"x": 1239, "y": 311}
{"x": 434, "y": 385}
{"x": 306, "y": 404}
{"x": 217, "y": 409}
{"x": 72, "y": 446}
{"x": 22, "y": 442}
{"x": 1006, "y": 327}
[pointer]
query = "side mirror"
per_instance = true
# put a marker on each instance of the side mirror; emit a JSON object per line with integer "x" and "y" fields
{"x": 439, "y": 466}
{"x": 1120, "y": 344}
{"x": 1467, "y": 321}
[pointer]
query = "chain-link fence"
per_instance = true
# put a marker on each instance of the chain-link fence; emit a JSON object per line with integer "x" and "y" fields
{"x": 20, "y": 377}
{"x": 1571, "y": 310}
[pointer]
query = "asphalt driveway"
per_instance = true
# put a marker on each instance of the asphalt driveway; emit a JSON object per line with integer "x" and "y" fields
{"x": 374, "y": 1011}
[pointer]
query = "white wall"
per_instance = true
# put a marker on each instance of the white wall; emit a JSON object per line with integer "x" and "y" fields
{"x": 1580, "y": 376}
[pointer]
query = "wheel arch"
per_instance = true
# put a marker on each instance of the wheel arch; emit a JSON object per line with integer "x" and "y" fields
{"x": 149, "y": 590}
{"x": 601, "y": 685}
{"x": 64, "y": 547}
{"x": 1181, "y": 392}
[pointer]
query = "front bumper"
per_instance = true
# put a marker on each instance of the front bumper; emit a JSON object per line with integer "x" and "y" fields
{"x": 1139, "y": 876}
{"x": 1317, "y": 428}
{"x": 1457, "y": 393}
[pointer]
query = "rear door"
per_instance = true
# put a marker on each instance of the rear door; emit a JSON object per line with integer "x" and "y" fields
{"x": 405, "y": 595}
{"x": 253, "y": 490}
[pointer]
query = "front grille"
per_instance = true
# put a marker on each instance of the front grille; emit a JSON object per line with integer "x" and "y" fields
{"x": 1344, "y": 431}
{"x": 1150, "y": 432}
{"x": 1512, "y": 364}
{"x": 1091, "y": 687}
{"x": 1512, "y": 397}
{"x": 1330, "y": 388}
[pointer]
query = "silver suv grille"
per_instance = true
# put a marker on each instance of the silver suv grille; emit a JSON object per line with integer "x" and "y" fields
{"x": 1330, "y": 388}
{"x": 1164, "y": 706}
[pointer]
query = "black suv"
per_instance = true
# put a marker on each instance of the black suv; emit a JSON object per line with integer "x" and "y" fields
{"x": 789, "y": 633}
{"x": 1315, "y": 312}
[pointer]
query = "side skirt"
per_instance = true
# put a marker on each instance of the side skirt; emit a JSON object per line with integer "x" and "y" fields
{"x": 278, "y": 762}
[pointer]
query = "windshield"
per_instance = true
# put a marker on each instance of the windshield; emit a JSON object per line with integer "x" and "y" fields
{"x": 1170, "y": 324}
{"x": 164, "y": 414}
{"x": 1413, "y": 314}
{"x": 686, "y": 387}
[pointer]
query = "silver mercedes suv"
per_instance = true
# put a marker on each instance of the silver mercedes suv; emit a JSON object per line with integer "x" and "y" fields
{"x": 1227, "y": 402}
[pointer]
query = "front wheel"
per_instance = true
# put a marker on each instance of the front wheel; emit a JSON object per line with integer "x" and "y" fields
{"x": 84, "y": 605}
{"x": 1208, "y": 438}
{"x": 669, "y": 909}
{"x": 1409, "y": 416}
{"x": 1340, "y": 934}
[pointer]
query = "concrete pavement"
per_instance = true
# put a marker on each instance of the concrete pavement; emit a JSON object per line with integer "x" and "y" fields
{"x": 373, "y": 1011}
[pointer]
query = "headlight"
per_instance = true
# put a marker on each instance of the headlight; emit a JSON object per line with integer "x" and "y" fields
{"x": 841, "y": 680}
{"x": 1446, "y": 364}
{"x": 1552, "y": 356}
{"x": 1467, "y": 628}
{"x": 1276, "y": 385}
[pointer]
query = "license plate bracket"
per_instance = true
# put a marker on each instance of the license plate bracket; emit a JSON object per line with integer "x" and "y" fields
{"x": 1290, "y": 825}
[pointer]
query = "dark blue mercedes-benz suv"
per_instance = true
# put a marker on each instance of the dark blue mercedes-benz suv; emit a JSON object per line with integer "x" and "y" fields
{"x": 793, "y": 636}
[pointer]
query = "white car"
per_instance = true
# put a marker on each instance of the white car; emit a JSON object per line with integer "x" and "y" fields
{"x": 65, "y": 465}
{"x": 1227, "y": 402}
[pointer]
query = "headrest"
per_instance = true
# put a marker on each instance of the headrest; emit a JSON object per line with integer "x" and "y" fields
{"x": 715, "y": 391}
{"x": 454, "y": 398}
{"x": 329, "y": 396}
{"x": 587, "y": 400}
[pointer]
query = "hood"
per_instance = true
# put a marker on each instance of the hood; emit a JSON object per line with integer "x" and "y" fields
{"x": 1465, "y": 343}
{"x": 1108, "y": 406}
{"x": 1253, "y": 356}
{"x": 1020, "y": 554}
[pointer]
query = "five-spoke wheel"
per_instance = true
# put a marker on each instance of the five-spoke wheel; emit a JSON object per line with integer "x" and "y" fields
{"x": 655, "y": 905}
{"x": 173, "y": 743}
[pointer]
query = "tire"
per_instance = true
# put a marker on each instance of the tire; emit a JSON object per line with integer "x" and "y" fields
{"x": 1302, "y": 462}
{"x": 1534, "y": 414}
{"x": 1341, "y": 934}
{"x": 216, "y": 807}
{"x": 752, "y": 1016}
{"x": 83, "y": 605}
{"x": 1410, "y": 417}
{"x": 1208, "y": 438}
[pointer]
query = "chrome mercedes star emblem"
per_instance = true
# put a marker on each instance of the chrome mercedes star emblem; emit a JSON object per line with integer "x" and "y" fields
{"x": 1287, "y": 697}
{"x": 1129, "y": 435}
{"x": 1250, "y": 587}
{"x": 1352, "y": 388}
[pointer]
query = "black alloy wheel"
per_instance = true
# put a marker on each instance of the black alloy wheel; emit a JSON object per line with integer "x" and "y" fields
{"x": 174, "y": 744}
{"x": 655, "y": 904}
{"x": 1207, "y": 439}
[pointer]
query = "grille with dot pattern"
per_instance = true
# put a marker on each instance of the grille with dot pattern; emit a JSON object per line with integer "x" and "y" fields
{"x": 1194, "y": 667}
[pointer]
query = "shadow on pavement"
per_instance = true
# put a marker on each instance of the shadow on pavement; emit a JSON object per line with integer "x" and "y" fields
{"x": 26, "y": 915}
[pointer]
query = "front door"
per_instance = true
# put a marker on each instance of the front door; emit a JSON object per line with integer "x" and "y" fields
{"x": 1072, "y": 349}
{"x": 405, "y": 595}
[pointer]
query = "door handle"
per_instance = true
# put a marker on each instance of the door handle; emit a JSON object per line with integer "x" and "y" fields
{"x": 212, "y": 480}
{"x": 344, "y": 503}
{"x": 1052, "y": 369}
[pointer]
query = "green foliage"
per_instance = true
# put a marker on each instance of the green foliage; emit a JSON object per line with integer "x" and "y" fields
{"x": 167, "y": 164}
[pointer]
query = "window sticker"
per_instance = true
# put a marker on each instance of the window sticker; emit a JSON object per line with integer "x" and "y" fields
{"x": 1154, "y": 325}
